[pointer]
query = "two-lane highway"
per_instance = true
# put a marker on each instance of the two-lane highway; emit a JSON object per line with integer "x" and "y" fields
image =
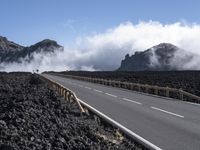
{"x": 168, "y": 123}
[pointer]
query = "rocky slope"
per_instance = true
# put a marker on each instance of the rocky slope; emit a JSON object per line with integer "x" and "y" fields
{"x": 12, "y": 52}
{"x": 34, "y": 117}
{"x": 163, "y": 57}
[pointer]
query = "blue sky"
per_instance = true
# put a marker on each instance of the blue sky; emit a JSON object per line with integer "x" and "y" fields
{"x": 29, "y": 21}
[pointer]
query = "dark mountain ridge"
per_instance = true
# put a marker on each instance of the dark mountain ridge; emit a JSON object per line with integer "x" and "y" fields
{"x": 162, "y": 57}
{"x": 12, "y": 52}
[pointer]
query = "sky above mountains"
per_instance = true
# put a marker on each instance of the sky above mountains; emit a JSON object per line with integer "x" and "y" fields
{"x": 97, "y": 34}
{"x": 66, "y": 21}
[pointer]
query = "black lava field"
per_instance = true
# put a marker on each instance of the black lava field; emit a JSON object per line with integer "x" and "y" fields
{"x": 34, "y": 117}
{"x": 186, "y": 80}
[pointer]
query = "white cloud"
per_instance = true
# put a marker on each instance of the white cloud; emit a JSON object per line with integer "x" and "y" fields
{"x": 104, "y": 51}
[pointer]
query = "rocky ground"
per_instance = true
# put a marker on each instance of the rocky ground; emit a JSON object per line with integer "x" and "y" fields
{"x": 186, "y": 80}
{"x": 34, "y": 117}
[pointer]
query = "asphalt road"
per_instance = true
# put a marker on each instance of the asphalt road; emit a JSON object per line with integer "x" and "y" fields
{"x": 167, "y": 123}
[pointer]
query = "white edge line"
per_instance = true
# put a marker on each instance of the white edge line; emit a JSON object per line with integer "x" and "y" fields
{"x": 111, "y": 95}
{"x": 88, "y": 87}
{"x": 168, "y": 112}
{"x": 128, "y": 131}
{"x": 193, "y": 103}
{"x": 132, "y": 101}
{"x": 97, "y": 90}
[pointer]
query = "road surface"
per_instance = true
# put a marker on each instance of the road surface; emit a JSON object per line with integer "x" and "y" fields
{"x": 167, "y": 123}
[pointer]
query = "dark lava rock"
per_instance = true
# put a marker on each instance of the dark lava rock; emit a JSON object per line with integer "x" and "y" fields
{"x": 33, "y": 116}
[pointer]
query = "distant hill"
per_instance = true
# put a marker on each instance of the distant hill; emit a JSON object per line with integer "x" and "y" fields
{"x": 162, "y": 57}
{"x": 12, "y": 52}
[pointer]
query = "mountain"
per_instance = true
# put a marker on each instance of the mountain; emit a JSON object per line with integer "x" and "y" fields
{"x": 8, "y": 48}
{"x": 162, "y": 57}
{"x": 12, "y": 52}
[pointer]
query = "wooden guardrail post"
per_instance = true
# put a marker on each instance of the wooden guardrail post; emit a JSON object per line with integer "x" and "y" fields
{"x": 146, "y": 89}
{"x": 62, "y": 91}
{"x": 104, "y": 82}
{"x": 121, "y": 84}
{"x": 129, "y": 86}
{"x": 167, "y": 91}
{"x": 71, "y": 97}
{"x": 181, "y": 94}
{"x": 114, "y": 84}
{"x": 65, "y": 94}
{"x": 118, "y": 84}
{"x": 132, "y": 86}
{"x": 56, "y": 87}
{"x": 125, "y": 85}
{"x": 109, "y": 82}
{"x": 156, "y": 90}
{"x": 99, "y": 81}
{"x": 58, "y": 90}
{"x": 139, "y": 87}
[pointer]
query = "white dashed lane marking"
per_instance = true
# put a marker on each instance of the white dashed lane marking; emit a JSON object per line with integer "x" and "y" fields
{"x": 111, "y": 95}
{"x": 89, "y": 88}
{"x": 167, "y": 112}
{"x": 97, "y": 90}
{"x": 193, "y": 103}
{"x": 132, "y": 101}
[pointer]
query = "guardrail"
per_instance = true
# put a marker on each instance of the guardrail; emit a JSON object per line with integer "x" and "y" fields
{"x": 65, "y": 92}
{"x": 145, "y": 88}
{"x": 86, "y": 108}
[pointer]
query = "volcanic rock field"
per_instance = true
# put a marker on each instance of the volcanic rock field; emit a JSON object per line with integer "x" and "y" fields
{"x": 34, "y": 117}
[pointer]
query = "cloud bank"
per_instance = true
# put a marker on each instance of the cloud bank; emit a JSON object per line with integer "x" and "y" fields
{"x": 104, "y": 51}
